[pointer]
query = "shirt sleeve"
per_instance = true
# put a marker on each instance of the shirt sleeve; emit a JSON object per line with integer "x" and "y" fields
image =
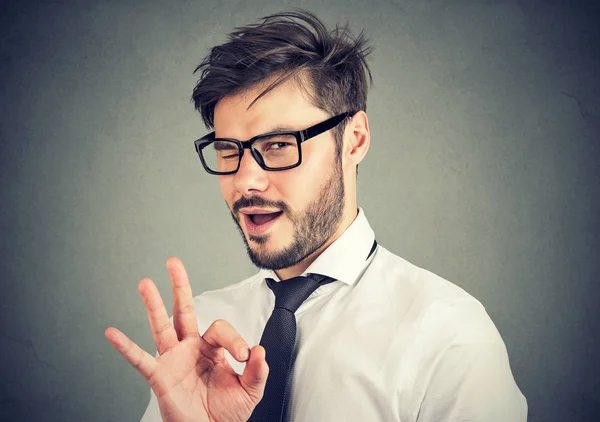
{"x": 473, "y": 382}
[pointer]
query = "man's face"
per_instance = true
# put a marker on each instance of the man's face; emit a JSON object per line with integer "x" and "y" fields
{"x": 283, "y": 216}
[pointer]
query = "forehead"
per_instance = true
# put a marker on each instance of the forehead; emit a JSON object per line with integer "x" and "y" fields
{"x": 286, "y": 105}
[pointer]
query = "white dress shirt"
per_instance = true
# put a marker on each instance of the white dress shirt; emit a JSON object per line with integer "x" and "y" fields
{"x": 386, "y": 341}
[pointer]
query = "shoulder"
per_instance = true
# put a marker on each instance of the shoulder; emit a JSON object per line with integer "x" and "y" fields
{"x": 447, "y": 345}
{"x": 396, "y": 268}
{"x": 436, "y": 305}
{"x": 230, "y": 295}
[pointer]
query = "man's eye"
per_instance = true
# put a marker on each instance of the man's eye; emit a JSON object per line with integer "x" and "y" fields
{"x": 278, "y": 145}
{"x": 229, "y": 156}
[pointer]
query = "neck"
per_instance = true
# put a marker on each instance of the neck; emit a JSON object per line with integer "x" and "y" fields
{"x": 300, "y": 267}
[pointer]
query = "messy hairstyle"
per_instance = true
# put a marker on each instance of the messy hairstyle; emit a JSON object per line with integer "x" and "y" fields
{"x": 328, "y": 65}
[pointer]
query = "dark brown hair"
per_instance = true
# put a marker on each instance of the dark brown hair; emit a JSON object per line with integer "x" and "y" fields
{"x": 330, "y": 66}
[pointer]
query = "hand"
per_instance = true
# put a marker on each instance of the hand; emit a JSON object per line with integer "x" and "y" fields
{"x": 191, "y": 377}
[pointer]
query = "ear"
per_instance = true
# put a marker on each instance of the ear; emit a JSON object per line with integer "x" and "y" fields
{"x": 358, "y": 139}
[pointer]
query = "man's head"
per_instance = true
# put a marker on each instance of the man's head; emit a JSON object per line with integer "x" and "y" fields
{"x": 287, "y": 73}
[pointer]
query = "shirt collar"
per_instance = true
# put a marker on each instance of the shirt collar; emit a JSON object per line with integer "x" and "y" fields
{"x": 346, "y": 257}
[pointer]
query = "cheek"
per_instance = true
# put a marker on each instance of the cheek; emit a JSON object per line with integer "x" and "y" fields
{"x": 302, "y": 185}
{"x": 227, "y": 189}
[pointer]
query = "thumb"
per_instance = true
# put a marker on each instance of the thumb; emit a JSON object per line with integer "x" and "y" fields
{"x": 254, "y": 377}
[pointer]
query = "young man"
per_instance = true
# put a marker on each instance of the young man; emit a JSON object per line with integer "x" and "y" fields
{"x": 375, "y": 338}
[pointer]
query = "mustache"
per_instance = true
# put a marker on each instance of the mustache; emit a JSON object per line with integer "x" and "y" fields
{"x": 258, "y": 201}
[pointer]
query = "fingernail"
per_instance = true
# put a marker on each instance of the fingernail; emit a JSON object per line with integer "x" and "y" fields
{"x": 244, "y": 353}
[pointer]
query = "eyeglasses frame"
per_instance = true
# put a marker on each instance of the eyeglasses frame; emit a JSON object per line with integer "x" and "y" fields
{"x": 300, "y": 135}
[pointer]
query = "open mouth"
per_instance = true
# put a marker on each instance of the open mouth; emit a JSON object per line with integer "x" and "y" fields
{"x": 258, "y": 224}
{"x": 260, "y": 219}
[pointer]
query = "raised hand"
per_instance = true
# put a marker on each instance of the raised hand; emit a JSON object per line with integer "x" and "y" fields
{"x": 191, "y": 377}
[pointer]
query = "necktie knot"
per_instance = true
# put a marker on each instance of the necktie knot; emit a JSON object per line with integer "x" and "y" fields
{"x": 290, "y": 293}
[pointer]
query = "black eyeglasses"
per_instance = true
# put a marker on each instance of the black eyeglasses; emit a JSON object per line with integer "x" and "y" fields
{"x": 272, "y": 151}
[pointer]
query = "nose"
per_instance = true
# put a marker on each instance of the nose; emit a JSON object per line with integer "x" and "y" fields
{"x": 250, "y": 177}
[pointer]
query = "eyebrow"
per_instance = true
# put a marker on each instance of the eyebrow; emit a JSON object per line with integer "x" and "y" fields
{"x": 279, "y": 128}
{"x": 282, "y": 128}
{"x": 222, "y": 146}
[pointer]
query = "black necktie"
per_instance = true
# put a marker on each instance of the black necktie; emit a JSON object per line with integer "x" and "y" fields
{"x": 279, "y": 338}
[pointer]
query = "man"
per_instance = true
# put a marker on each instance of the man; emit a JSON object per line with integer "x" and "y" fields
{"x": 376, "y": 338}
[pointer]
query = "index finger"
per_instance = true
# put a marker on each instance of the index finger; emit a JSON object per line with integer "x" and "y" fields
{"x": 184, "y": 315}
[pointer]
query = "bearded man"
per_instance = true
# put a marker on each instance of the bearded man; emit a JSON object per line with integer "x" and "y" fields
{"x": 333, "y": 327}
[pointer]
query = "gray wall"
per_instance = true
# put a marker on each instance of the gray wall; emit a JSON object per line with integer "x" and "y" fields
{"x": 485, "y": 121}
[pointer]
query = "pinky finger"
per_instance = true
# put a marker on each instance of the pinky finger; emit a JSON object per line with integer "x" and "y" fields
{"x": 142, "y": 361}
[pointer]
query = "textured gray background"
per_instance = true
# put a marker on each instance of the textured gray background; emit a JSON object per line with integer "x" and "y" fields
{"x": 485, "y": 120}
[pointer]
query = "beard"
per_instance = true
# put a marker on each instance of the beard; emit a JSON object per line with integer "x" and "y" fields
{"x": 312, "y": 227}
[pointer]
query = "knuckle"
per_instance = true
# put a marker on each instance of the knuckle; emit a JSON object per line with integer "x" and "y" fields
{"x": 220, "y": 324}
{"x": 187, "y": 309}
{"x": 166, "y": 326}
{"x": 182, "y": 286}
{"x": 152, "y": 381}
{"x": 126, "y": 348}
{"x": 154, "y": 306}
{"x": 139, "y": 360}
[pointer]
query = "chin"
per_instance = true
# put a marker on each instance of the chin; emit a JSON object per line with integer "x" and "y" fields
{"x": 258, "y": 240}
